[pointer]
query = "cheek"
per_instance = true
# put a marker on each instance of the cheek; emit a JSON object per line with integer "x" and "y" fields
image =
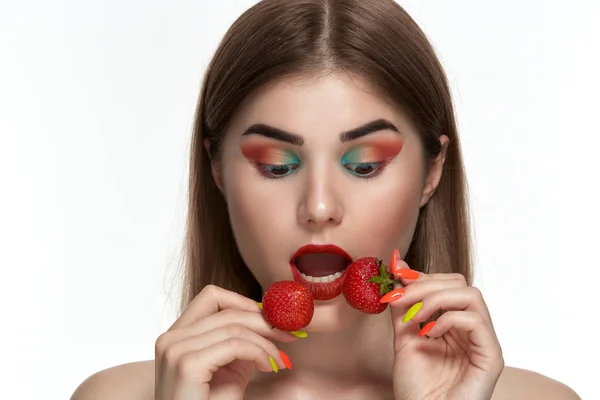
{"x": 253, "y": 205}
{"x": 397, "y": 204}
{"x": 259, "y": 211}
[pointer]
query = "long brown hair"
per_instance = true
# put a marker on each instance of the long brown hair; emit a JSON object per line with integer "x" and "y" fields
{"x": 374, "y": 39}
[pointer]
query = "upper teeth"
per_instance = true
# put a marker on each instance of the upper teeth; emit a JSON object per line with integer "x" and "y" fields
{"x": 328, "y": 278}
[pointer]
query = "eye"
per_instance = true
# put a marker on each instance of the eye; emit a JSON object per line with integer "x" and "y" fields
{"x": 275, "y": 171}
{"x": 365, "y": 170}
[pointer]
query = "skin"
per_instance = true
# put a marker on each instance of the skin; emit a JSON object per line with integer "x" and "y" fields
{"x": 323, "y": 201}
{"x": 319, "y": 203}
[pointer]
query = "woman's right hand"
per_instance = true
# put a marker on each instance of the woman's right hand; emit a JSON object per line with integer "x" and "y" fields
{"x": 212, "y": 349}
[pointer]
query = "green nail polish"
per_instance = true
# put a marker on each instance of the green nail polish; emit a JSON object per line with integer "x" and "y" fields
{"x": 273, "y": 364}
{"x": 299, "y": 334}
{"x": 412, "y": 312}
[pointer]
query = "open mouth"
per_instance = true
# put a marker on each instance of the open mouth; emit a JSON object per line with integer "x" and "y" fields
{"x": 321, "y": 269}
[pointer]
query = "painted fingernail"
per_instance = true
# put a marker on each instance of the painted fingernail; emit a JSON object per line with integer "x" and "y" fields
{"x": 285, "y": 359}
{"x": 393, "y": 295}
{"x": 273, "y": 364}
{"x": 406, "y": 273}
{"x": 394, "y": 261}
{"x": 427, "y": 328}
{"x": 259, "y": 305}
{"x": 299, "y": 334}
{"x": 412, "y": 312}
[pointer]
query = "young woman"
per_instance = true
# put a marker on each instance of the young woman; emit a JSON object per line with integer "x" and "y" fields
{"x": 325, "y": 132}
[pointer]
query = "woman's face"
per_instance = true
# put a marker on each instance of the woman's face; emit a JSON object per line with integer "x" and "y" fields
{"x": 323, "y": 162}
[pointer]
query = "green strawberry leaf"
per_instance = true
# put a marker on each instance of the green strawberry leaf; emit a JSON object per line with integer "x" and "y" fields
{"x": 378, "y": 279}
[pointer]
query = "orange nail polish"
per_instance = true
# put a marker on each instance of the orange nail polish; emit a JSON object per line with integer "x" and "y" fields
{"x": 285, "y": 359}
{"x": 427, "y": 328}
{"x": 393, "y": 295}
{"x": 395, "y": 258}
{"x": 406, "y": 273}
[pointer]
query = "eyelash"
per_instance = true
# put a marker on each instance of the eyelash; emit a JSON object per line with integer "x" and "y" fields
{"x": 377, "y": 169}
{"x": 266, "y": 169}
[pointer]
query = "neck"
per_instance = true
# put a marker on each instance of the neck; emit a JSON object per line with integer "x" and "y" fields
{"x": 361, "y": 351}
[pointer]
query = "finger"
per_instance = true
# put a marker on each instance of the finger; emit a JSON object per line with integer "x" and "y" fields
{"x": 227, "y": 351}
{"x": 250, "y": 320}
{"x": 173, "y": 354}
{"x": 401, "y": 299}
{"x": 402, "y": 271}
{"x": 255, "y": 322}
{"x": 197, "y": 368}
{"x": 406, "y": 301}
{"x": 482, "y": 340}
{"x": 408, "y": 276}
{"x": 211, "y": 300}
{"x": 453, "y": 299}
{"x": 403, "y": 333}
{"x": 419, "y": 290}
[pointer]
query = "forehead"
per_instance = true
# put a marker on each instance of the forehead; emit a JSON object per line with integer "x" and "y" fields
{"x": 318, "y": 106}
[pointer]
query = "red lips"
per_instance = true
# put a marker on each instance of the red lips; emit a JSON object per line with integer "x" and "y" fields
{"x": 320, "y": 248}
{"x": 320, "y": 290}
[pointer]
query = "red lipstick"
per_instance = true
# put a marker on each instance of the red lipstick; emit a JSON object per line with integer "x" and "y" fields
{"x": 333, "y": 261}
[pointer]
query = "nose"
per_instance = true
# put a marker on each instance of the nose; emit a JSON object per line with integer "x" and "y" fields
{"x": 321, "y": 205}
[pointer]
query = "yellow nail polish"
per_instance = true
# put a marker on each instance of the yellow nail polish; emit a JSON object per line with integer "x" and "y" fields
{"x": 299, "y": 334}
{"x": 273, "y": 364}
{"x": 412, "y": 312}
{"x": 259, "y": 305}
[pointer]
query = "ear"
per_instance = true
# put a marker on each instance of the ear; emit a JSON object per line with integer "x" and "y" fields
{"x": 435, "y": 172}
{"x": 214, "y": 168}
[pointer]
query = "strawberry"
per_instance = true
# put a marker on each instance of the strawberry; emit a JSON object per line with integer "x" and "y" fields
{"x": 288, "y": 305}
{"x": 365, "y": 282}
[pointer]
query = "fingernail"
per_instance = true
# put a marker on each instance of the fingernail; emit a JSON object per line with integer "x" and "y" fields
{"x": 395, "y": 258}
{"x": 393, "y": 295}
{"x": 285, "y": 359}
{"x": 273, "y": 364}
{"x": 426, "y": 328}
{"x": 299, "y": 334}
{"x": 406, "y": 273}
{"x": 259, "y": 305}
{"x": 412, "y": 312}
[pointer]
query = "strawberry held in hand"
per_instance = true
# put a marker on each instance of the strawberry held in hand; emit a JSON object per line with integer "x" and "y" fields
{"x": 365, "y": 282}
{"x": 288, "y": 305}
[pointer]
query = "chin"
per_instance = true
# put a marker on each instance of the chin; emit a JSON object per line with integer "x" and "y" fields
{"x": 333, "y": 316}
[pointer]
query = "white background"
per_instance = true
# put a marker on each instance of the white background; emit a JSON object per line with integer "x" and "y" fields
{"x": 96, "y": 107}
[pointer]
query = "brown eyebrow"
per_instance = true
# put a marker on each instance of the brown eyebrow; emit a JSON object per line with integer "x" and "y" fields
{"x": 295, "y": 139}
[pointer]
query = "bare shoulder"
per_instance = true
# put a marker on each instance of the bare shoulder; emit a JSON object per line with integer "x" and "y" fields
{"x": 133, "y": 381}
{"x": 516, "y": 384}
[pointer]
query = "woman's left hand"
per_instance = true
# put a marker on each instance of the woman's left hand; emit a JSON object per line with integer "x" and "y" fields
{"x": 455, "y": 357}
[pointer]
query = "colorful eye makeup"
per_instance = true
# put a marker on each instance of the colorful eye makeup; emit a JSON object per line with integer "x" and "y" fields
{"x": 270, "y": 161}
{"x": 368, "y": 160}
{"x": 364, "y": 161}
